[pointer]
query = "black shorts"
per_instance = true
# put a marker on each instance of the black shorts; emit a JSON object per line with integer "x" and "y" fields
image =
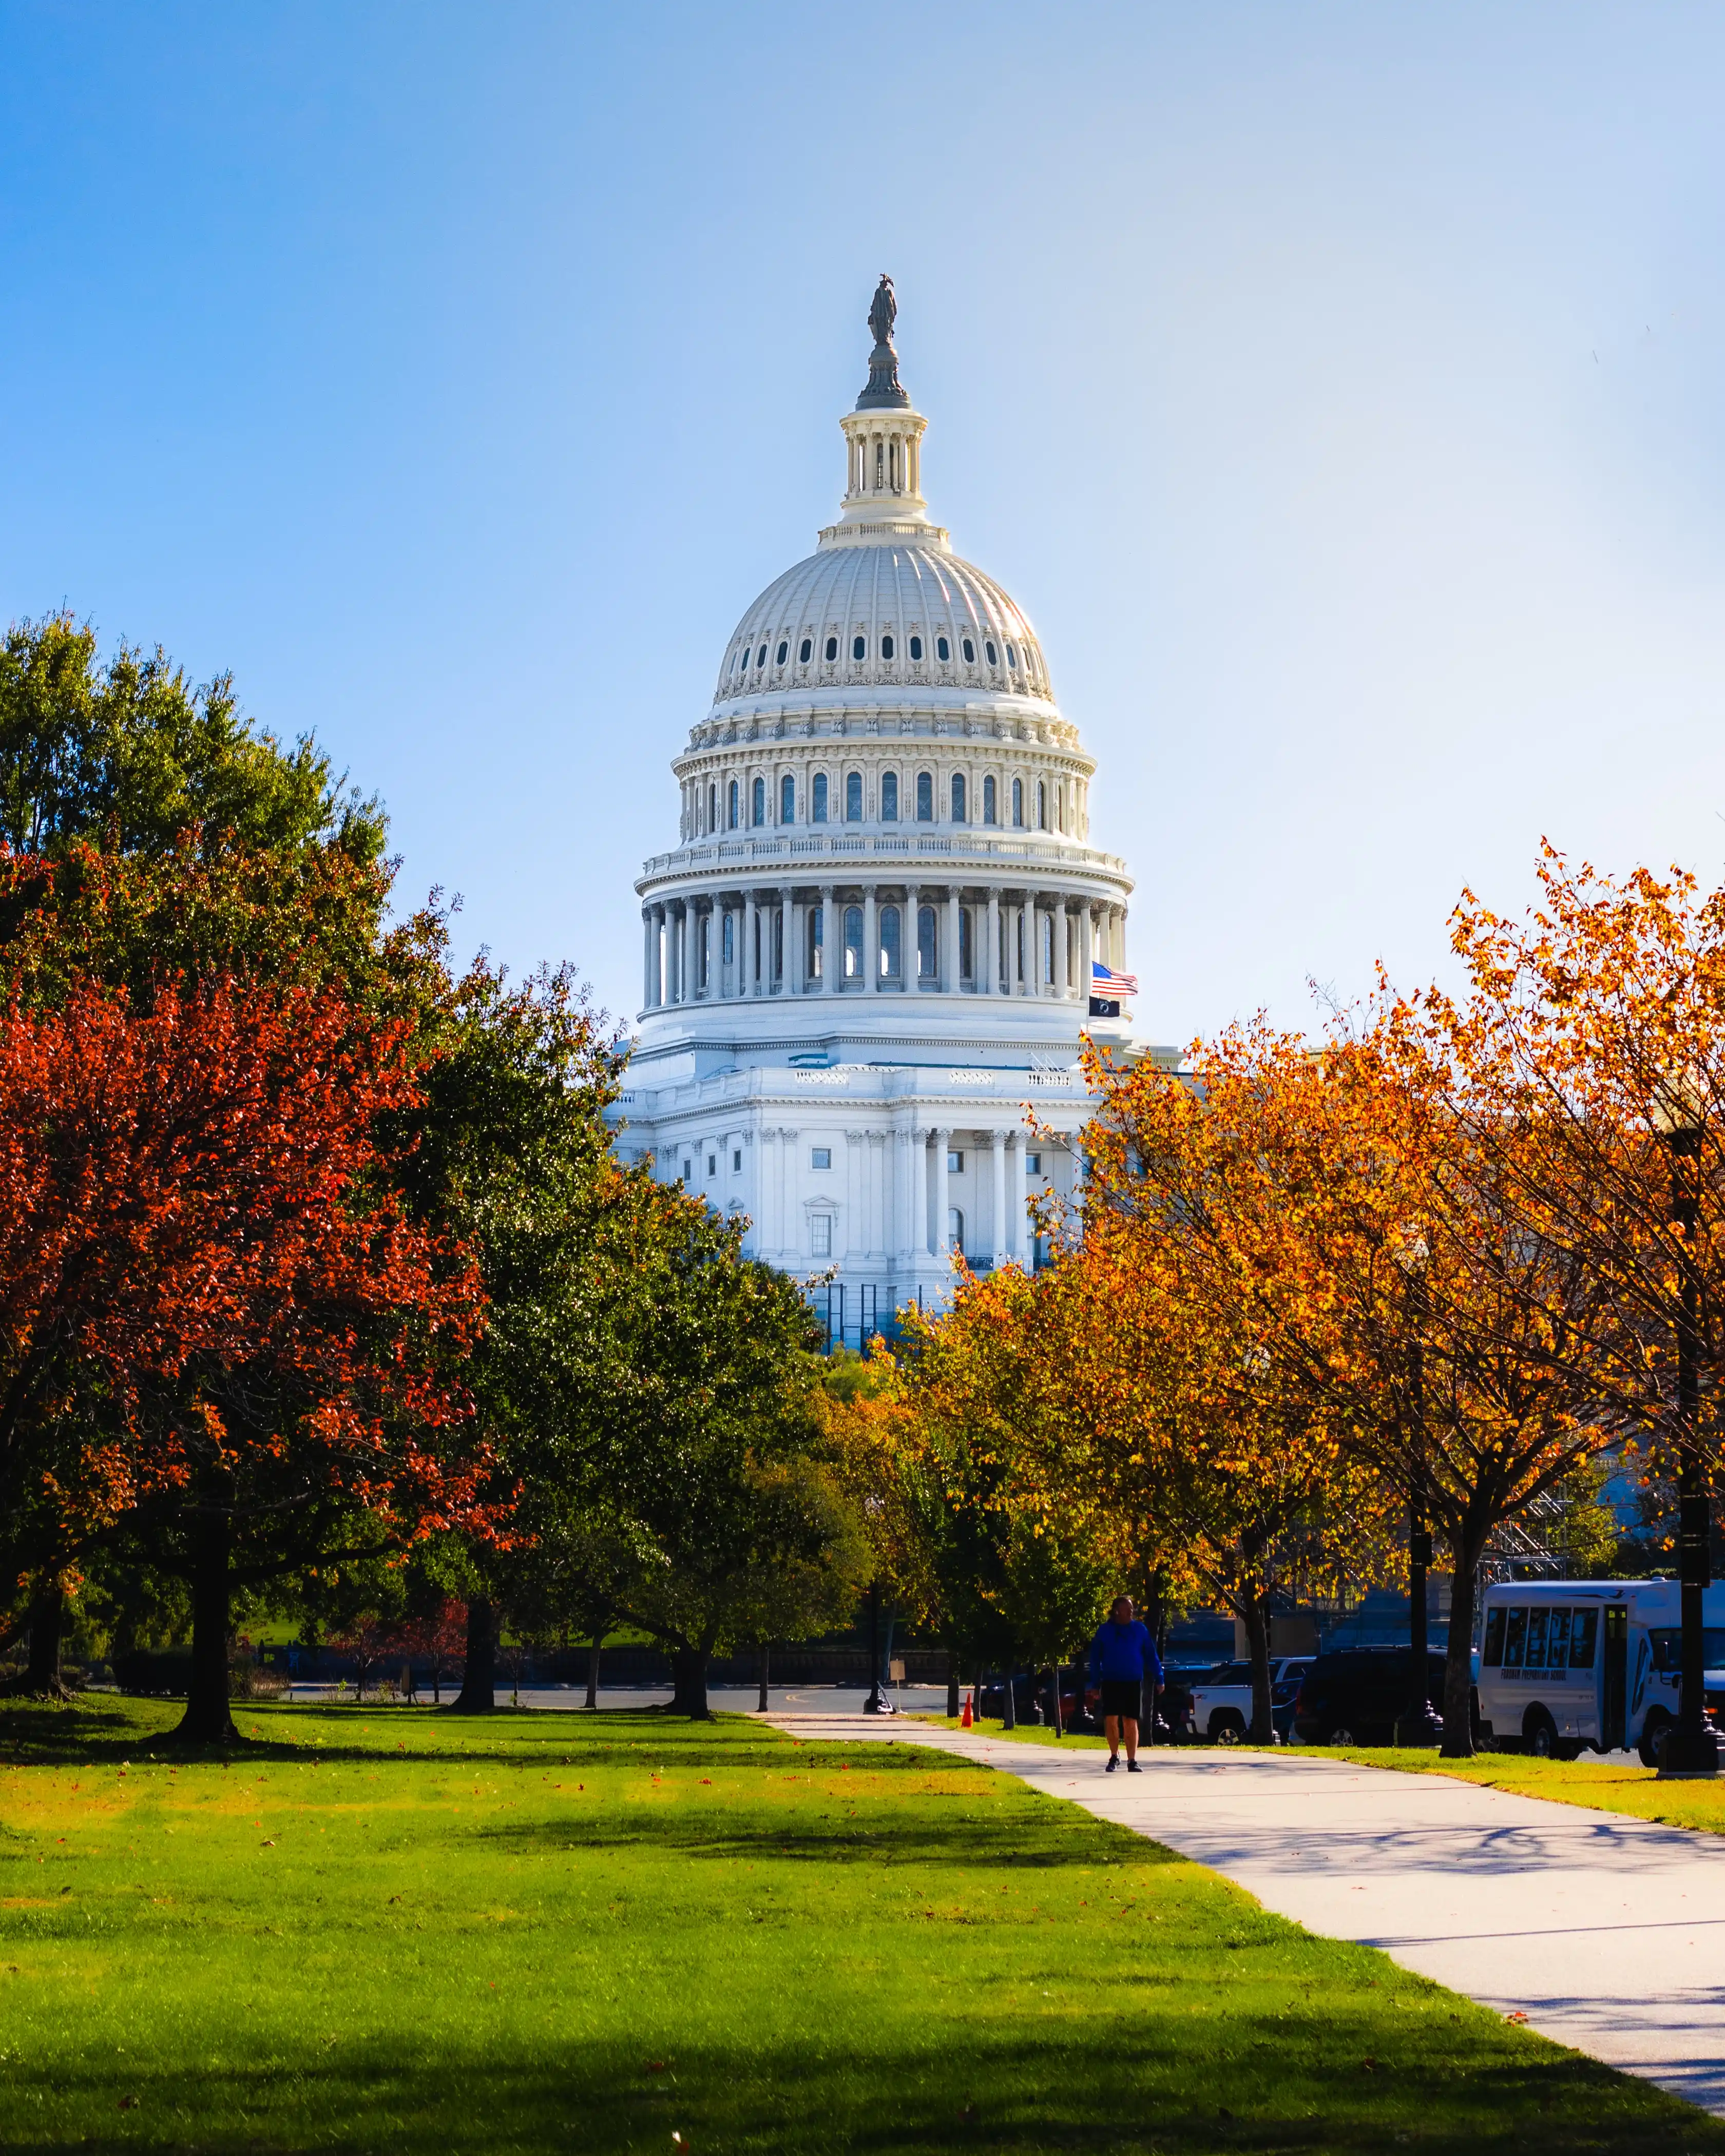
{"x": 1120, "y": 1695}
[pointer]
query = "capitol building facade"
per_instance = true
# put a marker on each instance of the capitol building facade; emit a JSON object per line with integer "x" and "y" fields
{"x": 868, "y": 960}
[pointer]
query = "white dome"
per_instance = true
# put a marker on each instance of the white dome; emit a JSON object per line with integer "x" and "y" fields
{"x": 907, "y": 611}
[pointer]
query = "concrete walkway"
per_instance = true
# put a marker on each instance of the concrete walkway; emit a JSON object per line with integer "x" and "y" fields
{"x": 1607, "y": 1933}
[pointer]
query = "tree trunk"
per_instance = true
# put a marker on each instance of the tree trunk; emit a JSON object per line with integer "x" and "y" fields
{"x": 689, "y": 1679}
{"x": 207, "y": 1719}
{"x": 1009, "y": 1712}
{"x": 761, "y": 1704}
{"x": 953, "y": 1684}
{"x": 479, "y": 1669}
{"x": 46, "y": 1622}
{"x": 1053, "y": 1698}
{"x": 593, "y": 1670}
{"x": 1256, "y": 1615}
{"x": 1458, "y": 1656}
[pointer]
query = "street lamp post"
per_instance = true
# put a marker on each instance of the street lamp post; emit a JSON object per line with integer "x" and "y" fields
{"x": 1689, "y": 1752}
{"x": 873, "y": 1704}
{"x": 1419, "y": 1724}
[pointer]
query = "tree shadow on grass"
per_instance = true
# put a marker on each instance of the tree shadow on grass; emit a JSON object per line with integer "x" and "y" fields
{"x": 1121, "y": 2082}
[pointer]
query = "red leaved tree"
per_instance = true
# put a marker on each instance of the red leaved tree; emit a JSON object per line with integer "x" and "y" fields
{"x": 217, "y": 1326}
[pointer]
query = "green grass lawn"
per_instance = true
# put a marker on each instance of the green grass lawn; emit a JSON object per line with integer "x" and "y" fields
{"x": 381, "y": 1928}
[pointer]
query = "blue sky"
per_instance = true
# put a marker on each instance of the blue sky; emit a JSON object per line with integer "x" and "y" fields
{"x": 1338, "y": 389}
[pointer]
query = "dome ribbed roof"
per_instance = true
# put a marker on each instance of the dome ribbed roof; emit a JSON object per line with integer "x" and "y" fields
{"x": 883, "y": 596}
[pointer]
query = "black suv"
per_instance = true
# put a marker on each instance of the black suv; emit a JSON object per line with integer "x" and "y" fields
{"x": 1357, "y": 1696}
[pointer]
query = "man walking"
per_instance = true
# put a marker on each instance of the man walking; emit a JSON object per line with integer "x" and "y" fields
{"x": 1122, "y": 1659}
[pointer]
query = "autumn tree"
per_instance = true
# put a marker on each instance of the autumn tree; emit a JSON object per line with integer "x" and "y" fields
{"x": 217, "y": 1322}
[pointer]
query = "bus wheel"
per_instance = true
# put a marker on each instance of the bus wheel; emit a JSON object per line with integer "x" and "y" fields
{"x": 1540, "y": 1734}
{"x": 1652, "y": 1729}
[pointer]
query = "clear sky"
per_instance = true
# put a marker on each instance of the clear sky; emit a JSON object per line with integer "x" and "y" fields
{"x": 1340, "y": 390}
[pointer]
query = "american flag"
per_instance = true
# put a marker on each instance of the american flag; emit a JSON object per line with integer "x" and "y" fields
{"x": 1104, "y": 981}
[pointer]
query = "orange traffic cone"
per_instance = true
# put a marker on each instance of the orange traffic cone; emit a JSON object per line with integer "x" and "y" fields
{"x": 967, "y": 1717}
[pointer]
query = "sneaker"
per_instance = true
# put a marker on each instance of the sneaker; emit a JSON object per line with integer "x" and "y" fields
{"x": 1112, "y": 1763}
{"x": 1133, "y": 1768}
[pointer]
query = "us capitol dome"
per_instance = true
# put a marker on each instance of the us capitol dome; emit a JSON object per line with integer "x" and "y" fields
{"x": 883, "y": 927}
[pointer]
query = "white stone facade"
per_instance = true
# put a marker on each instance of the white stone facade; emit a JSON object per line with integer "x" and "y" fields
{"x": 867, "y": 961}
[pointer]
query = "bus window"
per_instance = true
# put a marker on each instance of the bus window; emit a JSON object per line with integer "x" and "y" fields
{"x": 1515, "y": 1634}
{"x": 1492, "y": 1655}
{"x": 1583, "y": 1637}
{"x": 1536, "y": 1638}
{"x": 1557, "y": 1641}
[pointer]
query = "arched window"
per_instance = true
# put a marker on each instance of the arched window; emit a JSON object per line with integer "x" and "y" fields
{"x": 815, "y": 919}
{"x": 712, "y": 809}
{"x": 942, "y": 649}
{"x": 761, "y": 656}
{"x": 818, "y": 807}
{"x": 890, "y": 947}
{"x": 927, "y": 949}
{"x": 969, "y": 653}
{"x": 994, "y": 656}
{"x": 730, "y": 938}
{"x": 1018, "y": 805}
{"x": 889, "y": 797}
{"x": 916, "y": 646}
{"x": 832, "y": 648}
{"x": 803, "y": 650}
{"x": 989, "y": 815}
{"x": 852, "y": 943}
{"x": 925, "y": 797}
{"x": 781, "y": 654}
{"x": 760, "y": 803}
{"x": 787, "y": 799}
{"x": 853, "y": 797}
{"x": 955, "y": 1230}
{"x": 957, "y": 797}
{"x": 887, "y": 647}
{"x": 858, "y": 646}
{"x": 731, "y": 805}
{"x": 1041, "y": 806}
{"x": 966, "y": 963}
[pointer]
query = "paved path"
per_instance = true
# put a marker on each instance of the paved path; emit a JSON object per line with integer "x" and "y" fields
{"x": 1608, "y": 1933}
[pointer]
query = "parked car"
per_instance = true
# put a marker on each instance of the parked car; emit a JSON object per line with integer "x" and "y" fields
{"x": 1029, "y": 1699}
{"x": 1358, "y": 1695}
{"x": 1222, "y": 1705}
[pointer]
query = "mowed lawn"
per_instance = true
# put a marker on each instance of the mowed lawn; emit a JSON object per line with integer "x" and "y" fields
{"x": 384, "y": 1929}
{"x": 1609, "y": 1785}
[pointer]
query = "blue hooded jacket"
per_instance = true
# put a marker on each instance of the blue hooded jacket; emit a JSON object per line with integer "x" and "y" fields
{"x": 1124, "y": 1654}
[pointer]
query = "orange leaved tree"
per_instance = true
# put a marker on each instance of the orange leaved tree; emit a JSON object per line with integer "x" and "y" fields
{"x": 218, "y": 1331}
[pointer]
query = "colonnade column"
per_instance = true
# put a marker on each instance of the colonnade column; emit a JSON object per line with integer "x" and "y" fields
{"x": 832, "y": 976}
{"x": 1032, "y": 945}
{"x": 871, "y": 945}
{"x": 1086, "y": 954}
{"x": 910, "y": 946}
{"x": 1057, "y": 946}
{"x": 748, "y": 977}
{"x": 955, "y": 974}
{"x": 685, "y": 969}
{"x": 917, "y": 1239}
{"x": 1025, "y": 1241}
{"x": 787, "y": 956}
{"x": 647, "y": 958}
{"x": 943, "y": 1202}
{"x": 990, "y": 983}
{"x": 999, "y": 1240}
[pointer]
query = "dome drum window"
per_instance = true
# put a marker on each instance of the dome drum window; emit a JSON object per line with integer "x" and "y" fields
{"x": 889, "y": 797}
{"x": 786, "y": 799}
{"x": 852, "y": 943}
{"x": 989, "y": 812}
{"x": 927, "y": 945}
{"x": 760, "y": 803}
{"x": 891, "y": 946}
{"x": 733, "y": 805}
{"x": 853, "y": 797}
{"x": 925, "y": 797}
{"x": 1018, "y": 805}
{"x": 958, "y": 816}
{"x": 817, "y": 806}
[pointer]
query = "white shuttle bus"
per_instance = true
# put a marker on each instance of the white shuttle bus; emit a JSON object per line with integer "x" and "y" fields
{"x": 1567, "y": 1663}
